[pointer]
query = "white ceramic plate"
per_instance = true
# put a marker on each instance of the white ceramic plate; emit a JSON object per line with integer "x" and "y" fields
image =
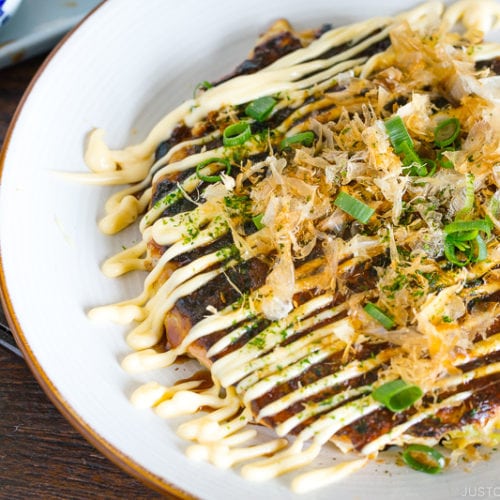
{"x": 122, "y": 69}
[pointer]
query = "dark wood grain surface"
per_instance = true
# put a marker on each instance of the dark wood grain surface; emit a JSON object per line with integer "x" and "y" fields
{"x": 41, "y": 455}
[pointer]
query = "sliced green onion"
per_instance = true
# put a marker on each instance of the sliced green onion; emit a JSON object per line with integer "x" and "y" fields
{"x": 446, "y": 132}
{"x": 304, "y": 138}
{"x": 417, "y": 166}
{"x": 443, "y": 161}
{"x": 464, "y": 235}
{"x": 494, "y": 205}
{"x": 403, "y": 145}
{"x": 209, "y": 161}
{"x": 202, "y": 85}
{"x": 431, "y": 460}
{"x": 430, "y": 165}
{"x": 468, "y": 225}
{"x": 398, "y": 135}
{"x": 261, "y": 108}
{"x": 463, "y": 246}
{"x": 450, "y": 247}
{"x": 418, "y": 170}
{"x": 397, "y": 395}
{"x": 257, "y": 220}
{"x": 236, "y": 134}
{"x": 410, "y": 157}
{"x": 376, "y": 313}
{"x": 481, "y": 249}
{"x": 466, "y": 210}
{"x": 355, "y": 208}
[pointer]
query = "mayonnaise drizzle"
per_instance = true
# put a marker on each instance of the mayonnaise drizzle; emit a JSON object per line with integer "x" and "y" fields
{"x": 320, "y": 478}
{"x": 485, "y": 17}
{"x": 133, "y": 163}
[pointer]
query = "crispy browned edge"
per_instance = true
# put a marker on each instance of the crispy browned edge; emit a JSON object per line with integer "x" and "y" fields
{"x": 123, "y": 461}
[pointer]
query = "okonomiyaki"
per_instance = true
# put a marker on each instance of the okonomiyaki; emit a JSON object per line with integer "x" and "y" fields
{"x": 320, "y": 229}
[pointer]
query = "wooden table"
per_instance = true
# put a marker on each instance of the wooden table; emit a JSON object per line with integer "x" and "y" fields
{"x": 41, "y": 455}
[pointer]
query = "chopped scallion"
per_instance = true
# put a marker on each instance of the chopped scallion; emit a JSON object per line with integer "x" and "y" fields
{"x": 481, "y": 250}
{"x": 423, "y": 458}
{"x": 398, "y": 135}
{"x": 304, "y": 138}
{"x": 494, "y": 205}
{"x": 355, "y": 208}
{"x": 443, "y": 161}
{"x": 466, "y": 210}
{"x": 450, "y": 252}
{"x": 468, "y": 225}
{"x": 410, "y": 157}
{"x": 236, "y": 134}
{"x": 397, "y": 395}
{"x": 463, "y": 235}
{"x": 446, "y": 132}
{"x": 376, "y": 313}
{"x": 403, "y": 145}
{"x": 257, "y": 220}
{"x": 430, "y": 166}
{"x": 205, "y": 85}
{"x": 261, "y": 108}
{"x": 209, "y": 161}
